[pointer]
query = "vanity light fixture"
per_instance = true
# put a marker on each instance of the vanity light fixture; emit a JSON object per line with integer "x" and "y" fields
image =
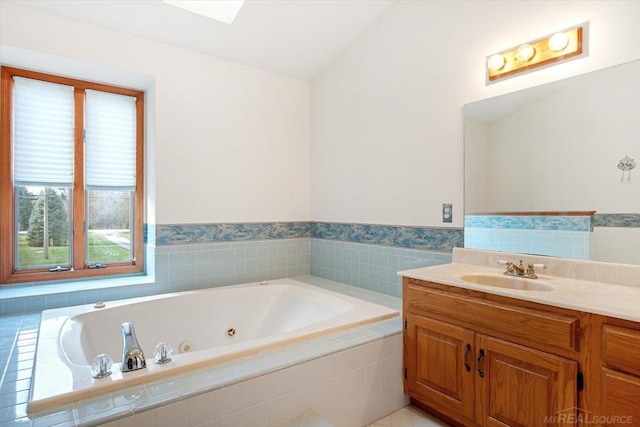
{"x": 553, "y": 48}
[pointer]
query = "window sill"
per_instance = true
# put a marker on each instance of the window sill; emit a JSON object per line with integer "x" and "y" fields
{"x": 45, "y": 289}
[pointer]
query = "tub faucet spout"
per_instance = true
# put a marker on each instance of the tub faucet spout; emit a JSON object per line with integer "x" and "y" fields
{"x": 132, "y": 355}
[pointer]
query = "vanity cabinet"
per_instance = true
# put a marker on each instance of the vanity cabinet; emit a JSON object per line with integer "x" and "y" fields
{"x": 440, "y": 365}
{"x": 521, "y": 386}
{"x": 484, "y": 360}
{"x": 473, "y": 377}
{"x": 620, "y": 373}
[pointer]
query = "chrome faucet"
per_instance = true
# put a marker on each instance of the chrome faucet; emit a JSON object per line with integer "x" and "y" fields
{"x": 132, "y": 355}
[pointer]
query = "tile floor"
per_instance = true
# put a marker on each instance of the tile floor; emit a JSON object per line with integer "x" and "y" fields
{"x": 409, "y": 416}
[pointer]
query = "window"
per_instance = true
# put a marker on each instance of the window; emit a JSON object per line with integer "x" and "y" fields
{"x": 71, "y": 179}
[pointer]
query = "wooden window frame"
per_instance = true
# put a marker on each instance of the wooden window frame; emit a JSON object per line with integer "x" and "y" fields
{"x": 79, "y": 265}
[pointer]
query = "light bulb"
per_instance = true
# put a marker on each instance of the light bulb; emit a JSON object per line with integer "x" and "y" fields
{"x": 525, "y": 52}
{"x": 558, "y": 42}
{"x": 496, "y": 62}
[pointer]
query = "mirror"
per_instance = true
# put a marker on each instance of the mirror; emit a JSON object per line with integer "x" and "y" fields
{"x": 538, "y": 162}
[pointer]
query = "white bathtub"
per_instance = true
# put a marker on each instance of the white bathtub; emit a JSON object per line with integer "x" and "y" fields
{"x": 263, "y": 316}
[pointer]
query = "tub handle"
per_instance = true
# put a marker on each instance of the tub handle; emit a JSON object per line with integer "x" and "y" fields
{"x": 101, "y": 366}
{"x": 163, "y": 353}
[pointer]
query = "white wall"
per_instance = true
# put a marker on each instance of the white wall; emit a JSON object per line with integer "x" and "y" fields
{"x": 231, "y": 141}
{"x": 613, "y": 244}
{"x": 386, "y": 115}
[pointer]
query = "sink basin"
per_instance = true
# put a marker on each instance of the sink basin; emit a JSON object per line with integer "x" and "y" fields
{"x": 506, "y": 282}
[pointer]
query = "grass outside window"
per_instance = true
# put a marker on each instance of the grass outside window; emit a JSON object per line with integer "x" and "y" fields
{"x": 100, "y": 247}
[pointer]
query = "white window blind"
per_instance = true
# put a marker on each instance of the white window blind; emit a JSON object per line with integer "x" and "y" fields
{"x": 42, "y": 132}
{"x": 110, "y": 140}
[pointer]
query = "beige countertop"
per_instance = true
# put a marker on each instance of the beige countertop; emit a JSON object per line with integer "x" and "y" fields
{"x": 609, "y": 299}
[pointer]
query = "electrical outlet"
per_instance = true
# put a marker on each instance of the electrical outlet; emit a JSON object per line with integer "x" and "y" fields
{"x": 447, "y": 212}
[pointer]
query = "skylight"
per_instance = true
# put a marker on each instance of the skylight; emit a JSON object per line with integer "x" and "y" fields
{"x": 220, "y": 10}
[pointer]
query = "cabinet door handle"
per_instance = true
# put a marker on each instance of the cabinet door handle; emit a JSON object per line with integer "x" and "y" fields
{"x": 480, "y": 356}
{"x": 467, "y": 349}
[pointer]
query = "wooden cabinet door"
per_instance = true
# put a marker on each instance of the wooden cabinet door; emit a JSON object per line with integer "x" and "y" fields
{"x": 518, "y": 386}
{"x": 620, "y": 394}
{"x": 440, "y": 366}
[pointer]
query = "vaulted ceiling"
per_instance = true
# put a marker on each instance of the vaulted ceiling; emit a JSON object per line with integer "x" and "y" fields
{"x": 293, "y": 37}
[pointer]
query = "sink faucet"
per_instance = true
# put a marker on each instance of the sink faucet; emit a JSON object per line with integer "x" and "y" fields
{"x": 132, "y": 355}
{"x": 520, "y": 271}
{"x": 514, "y": 270}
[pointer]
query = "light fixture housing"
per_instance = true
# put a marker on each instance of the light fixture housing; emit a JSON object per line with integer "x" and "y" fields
{"x": 546, "y": 50}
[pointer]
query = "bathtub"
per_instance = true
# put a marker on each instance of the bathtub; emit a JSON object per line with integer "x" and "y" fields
{"x": 204, "y": 328}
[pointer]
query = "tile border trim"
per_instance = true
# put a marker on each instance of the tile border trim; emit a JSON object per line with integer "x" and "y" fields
{"x": 564, "y": 223}
{"x": 411, "y": 237}
{"x": 184, "y": 234}
{"x": 616, "y": 220}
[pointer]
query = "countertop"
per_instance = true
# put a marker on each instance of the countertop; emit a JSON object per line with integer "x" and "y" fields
{"x": 608, "y": 299}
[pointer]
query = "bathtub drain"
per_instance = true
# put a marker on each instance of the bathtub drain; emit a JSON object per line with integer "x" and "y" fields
{"x": 231, "y": 332}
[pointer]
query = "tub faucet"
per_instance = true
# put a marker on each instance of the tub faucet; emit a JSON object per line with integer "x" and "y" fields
{"x": 132, "y": 355}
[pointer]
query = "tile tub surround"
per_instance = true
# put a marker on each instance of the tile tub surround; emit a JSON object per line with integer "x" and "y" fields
{"x": 359, "y": 368}
{"x": 372, "y": 267}
{"x": 200, "y": 256}
{"x": 202, "y": 266}
{"x": 177, "y": 268}
{"x": 191, "y": 267}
